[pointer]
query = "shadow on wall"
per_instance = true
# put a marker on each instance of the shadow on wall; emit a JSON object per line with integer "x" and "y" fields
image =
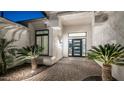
{"x": 101, "y": 17}
{"x": 13, "y": 31}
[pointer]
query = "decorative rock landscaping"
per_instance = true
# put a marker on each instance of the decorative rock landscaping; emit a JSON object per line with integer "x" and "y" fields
{"x": 21, "y": 72}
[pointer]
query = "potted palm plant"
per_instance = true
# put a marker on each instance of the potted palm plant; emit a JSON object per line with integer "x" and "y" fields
{"x": 5, "y": 48}
{"x": 30, "y": 53}
{"x": 108, "y": 54}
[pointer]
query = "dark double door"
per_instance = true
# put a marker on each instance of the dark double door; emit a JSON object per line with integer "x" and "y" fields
{"x": 75, "y": 47}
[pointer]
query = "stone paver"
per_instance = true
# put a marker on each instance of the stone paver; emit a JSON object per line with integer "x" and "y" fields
{"x": 69, "y": 69}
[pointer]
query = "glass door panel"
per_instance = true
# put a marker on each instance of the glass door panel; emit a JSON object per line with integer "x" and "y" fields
{"x": 70, "y": 47}
{"x": 83, "y": 47}
{"x": 77, "y": 47}
{"x": 38, "y": 41}
{"x": 43, "y": 42}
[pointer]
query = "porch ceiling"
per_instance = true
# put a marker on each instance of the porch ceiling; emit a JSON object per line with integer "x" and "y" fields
{"x": 72, "y": 19}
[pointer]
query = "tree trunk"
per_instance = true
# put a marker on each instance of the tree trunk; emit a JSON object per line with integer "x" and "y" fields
{"x": 33, "y": 64}
{"x": 106, "y": 73}
{"x": 4, "y": 68}
{"x": 4, "y": 65}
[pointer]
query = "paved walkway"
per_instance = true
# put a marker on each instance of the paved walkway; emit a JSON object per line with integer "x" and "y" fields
{"x": 69, "y": 69}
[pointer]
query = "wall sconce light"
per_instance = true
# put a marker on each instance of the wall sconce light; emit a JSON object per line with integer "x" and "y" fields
{"x": 56, "y": 28}
{"x": 60, "y": 39}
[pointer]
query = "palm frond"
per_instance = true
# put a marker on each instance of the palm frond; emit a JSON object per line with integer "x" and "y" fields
{"x": 29, "y": 52}
{"x": 107, "y": 53}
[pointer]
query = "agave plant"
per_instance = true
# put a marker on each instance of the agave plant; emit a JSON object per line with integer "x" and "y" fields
{"x": 108, "y": 54}
{"x": 30, "y": 53}
{"x": 5, "y": 48}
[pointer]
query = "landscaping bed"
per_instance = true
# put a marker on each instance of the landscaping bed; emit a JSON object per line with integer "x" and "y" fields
{"x": 21, "y": 72}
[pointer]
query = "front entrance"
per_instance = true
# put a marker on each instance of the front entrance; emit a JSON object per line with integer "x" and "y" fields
{"x": 77, "y": 45}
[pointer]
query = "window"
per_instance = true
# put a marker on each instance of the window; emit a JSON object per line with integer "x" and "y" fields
{"x": 42, "y": 39}
{"x": 77, "y": 34}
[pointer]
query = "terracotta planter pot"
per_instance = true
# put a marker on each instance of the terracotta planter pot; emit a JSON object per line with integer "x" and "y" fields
{"x": 106, "y": 72}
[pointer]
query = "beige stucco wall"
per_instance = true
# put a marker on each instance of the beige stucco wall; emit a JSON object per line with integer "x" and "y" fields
{"x": 111, "y": 31}
{"x": 79, "y": 28}
{"x": 57, "y": 44}
{"x": 55, "y": 36}
{"x": 22, "y": 39}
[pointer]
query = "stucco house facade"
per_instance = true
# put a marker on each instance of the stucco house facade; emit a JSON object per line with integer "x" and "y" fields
{"x": 68, "y": 34}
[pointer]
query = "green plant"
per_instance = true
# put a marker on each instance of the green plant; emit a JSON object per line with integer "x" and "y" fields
{"x": 5, "y": 47}
{"x": 108, "y": 54}
{"x": 30, "y": 53}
